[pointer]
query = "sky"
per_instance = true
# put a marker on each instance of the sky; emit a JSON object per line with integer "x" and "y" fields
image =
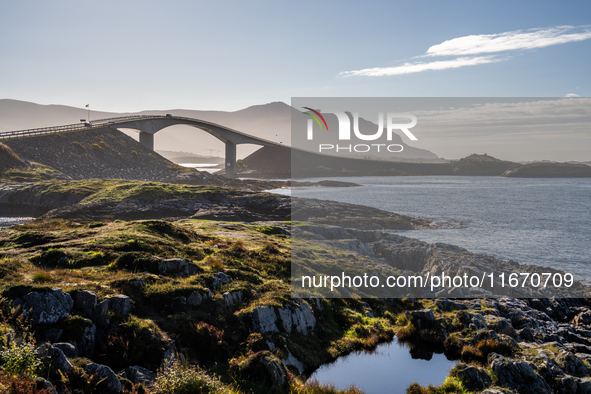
{"x": 134, "y": 55}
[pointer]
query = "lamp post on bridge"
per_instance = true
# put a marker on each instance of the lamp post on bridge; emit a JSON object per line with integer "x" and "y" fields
{"x": 88, "y": 106}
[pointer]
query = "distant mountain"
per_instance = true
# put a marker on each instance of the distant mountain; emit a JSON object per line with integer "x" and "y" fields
{"x": 270, "y": 121}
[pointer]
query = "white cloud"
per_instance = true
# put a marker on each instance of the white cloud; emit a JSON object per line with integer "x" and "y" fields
{"x": 572, "y": 95}
{"x": 409, "y": 68}
{"x": 510, "y": 41}
{"x": 482, "y": 44}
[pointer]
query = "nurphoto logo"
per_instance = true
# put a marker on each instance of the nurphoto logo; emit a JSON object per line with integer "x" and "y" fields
{"x": 344, "y": 132}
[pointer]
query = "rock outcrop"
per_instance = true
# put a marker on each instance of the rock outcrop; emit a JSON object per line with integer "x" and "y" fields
{"x": 55, "y": 356}
{"x": 120, "y": 304}
{"x": 47, "y": 307}
{"x": 299, "y": 318}
{"x": 177, "y": 267}
{"x": 104, "y": 377}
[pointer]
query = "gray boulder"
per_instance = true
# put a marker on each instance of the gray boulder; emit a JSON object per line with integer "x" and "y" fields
{"x": 220, "y": 279}
{"x": 500, "y": 325}
{"x": 69, "y": 350}
{"x": 301, "y": 318}
{"x": 195, "y": 298}
{"x": 53, "y": 334}
{"x": 276, "y": 370}
{"x": 424, "y": 317}
{"x": 232, "y": 298}
{"x": 139, "y": 374}
{"x": 518, "y": 375}
{"x": 101, "y": 313}
{"x": 46, "y": 385}
{"x": 223, "y": 278}
{"x": 264, "y": 319}
{"x": 474, "y": 378}
{"x": 47, "y": 307}
{"x": 86, "y": 342}
{"x": 177, "y": 267}
{"x": 120, "y": 304}
{"x": 86, "y": 301}
{"x": 292, "y": 361}
{"x": 55, "y": 356}
{"x": 104, "y": 377}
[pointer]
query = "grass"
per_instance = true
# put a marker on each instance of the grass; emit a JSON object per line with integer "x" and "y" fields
{"x": 450, "y": 386}
{"x": 111, "y": 257}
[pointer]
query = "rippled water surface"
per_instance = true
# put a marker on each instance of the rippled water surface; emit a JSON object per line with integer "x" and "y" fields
{"x": 545, "y": 222}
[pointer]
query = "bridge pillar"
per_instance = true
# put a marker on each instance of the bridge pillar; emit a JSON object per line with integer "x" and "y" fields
{"x": 230, "y": 158}
{"x": 147, "y": 140}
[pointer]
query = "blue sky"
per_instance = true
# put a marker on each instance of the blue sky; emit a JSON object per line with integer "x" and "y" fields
{"x": 226, "y": 55}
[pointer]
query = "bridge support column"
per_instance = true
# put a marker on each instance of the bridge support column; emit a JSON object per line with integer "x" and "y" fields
{"x": 147, "y": 140}
{"x": 230, "y": 158}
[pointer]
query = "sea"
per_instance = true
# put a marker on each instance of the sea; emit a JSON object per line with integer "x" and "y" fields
{"x": 540, "y": 221}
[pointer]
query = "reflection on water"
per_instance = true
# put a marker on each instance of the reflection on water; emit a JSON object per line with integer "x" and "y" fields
{"x": 389, "y": 369}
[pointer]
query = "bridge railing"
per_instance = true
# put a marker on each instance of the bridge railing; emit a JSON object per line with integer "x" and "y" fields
{"x": 115, "y": 121}
{"x": 70, "y": 127}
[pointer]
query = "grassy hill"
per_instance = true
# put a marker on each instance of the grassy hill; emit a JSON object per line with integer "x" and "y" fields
{"x": 9, "y": 159}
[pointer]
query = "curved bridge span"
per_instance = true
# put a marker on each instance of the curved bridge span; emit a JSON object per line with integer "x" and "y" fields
{"x": 148, "y": 125}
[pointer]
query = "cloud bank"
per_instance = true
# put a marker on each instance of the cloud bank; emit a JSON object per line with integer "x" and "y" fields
{"x": 510, "y": 41}
{"x": 518, "y": 40}
{"x": 409, "y": 68}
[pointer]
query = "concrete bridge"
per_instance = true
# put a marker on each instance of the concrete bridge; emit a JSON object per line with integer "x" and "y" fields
{"x": 148, "y": 125}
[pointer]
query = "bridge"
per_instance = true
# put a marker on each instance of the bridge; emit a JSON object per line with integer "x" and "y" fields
{"x": 148, "y": 125}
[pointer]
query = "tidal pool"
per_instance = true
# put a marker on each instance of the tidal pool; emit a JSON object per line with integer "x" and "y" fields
{"x": 389, "y": 369}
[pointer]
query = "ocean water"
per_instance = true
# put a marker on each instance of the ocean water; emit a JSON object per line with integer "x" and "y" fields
{"x": 545, "y": 222}
{"x": 11, "y": 221}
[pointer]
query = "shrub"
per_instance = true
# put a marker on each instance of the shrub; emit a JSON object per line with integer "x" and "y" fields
{"x": 51, "y": 258}
{"x": 18, "y": 384}
{"x": 41, "y": 277}
{"x": 271, "y": 248}
{"x": 8, "y": 269}
{"x": 137, "y": 261}
{"x": 449, "y": 386}
{"x": 79, "y": 145}
{"x": 204, "y": 340}
{"x": 484, "y": 347}
{"x": 98, "y": 147}
{"x": 255, "y": 342}
{"x": 216, "y": 265}
{"x": 408, "y": 332}
{"x": 314, "y": 387}
{"x": 134, "y": 341}
{"x": 184, "y": 379}
{"x": 20, "y": 359}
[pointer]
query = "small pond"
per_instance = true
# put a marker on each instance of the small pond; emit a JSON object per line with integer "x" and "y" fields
{"x": 389, "y": 369}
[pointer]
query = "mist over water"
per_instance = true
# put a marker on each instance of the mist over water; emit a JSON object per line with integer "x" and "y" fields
{"x": 545, "y": 222}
